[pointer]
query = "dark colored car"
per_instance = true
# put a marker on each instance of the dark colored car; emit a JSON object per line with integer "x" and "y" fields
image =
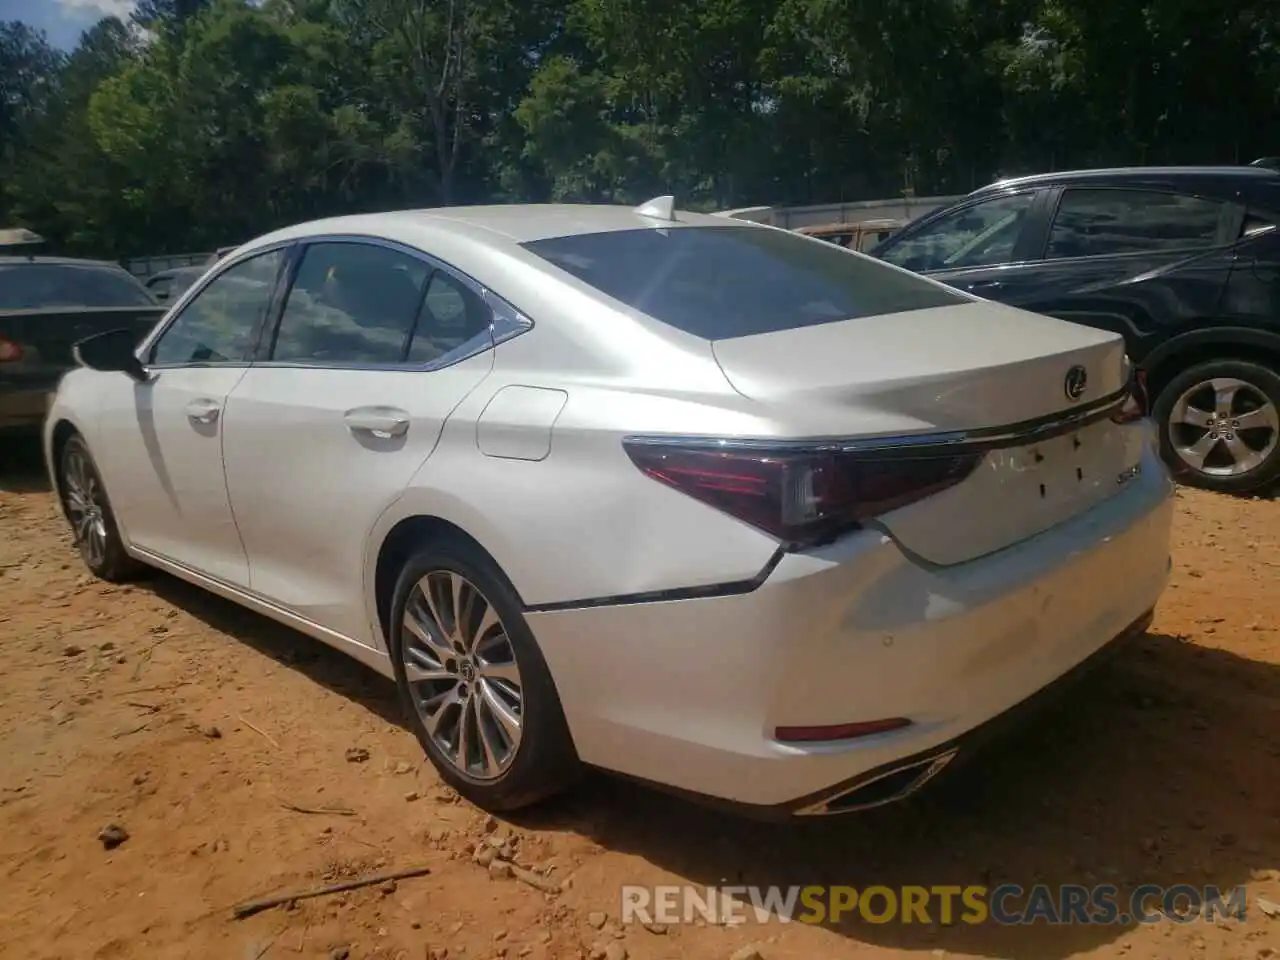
{"x": 46, "y": 305}
{"x": 167, "y": 285}
{"x": 1184, "y": 262}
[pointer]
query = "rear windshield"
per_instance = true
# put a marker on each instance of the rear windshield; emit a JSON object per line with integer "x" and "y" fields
{"x": 724, "y": 282}
{"x": 34, "y": 286}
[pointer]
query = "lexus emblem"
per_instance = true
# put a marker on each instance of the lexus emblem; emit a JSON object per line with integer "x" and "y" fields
{"x": 1075, "y": 383}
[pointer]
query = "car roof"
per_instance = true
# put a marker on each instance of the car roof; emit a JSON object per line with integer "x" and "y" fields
{"x": 6, "y": 261}
{"x": 503, "y": 223}
{"x": 177, "y": 271}
{"x": 1137, "y": 174}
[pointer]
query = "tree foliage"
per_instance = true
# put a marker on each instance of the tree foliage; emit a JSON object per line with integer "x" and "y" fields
{"x": 204, "y": 122}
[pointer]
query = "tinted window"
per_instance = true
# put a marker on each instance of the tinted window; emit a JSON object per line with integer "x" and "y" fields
{"x": 722, "y": 282}
{"x": 159, "y": 287}
{"x": 219, "y": 325}
{"x": 452, "y": 313}
{"x": 978, "y": 235}
{"x": 31, "y": 286}
{"x": 1093, "y": 223}
{"x": 351, "y": 303}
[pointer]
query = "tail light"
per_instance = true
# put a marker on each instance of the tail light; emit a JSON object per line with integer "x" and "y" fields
{"x": 10, "y": 352}
{"x": 803, "y": 498}
{"x": 1135, "y": 403}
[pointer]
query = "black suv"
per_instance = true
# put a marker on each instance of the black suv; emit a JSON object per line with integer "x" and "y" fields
{"x": 1184, "y": 262}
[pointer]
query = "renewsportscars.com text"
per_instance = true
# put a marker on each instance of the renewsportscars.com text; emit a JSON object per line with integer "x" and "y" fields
{"x": 1007, "y": 904}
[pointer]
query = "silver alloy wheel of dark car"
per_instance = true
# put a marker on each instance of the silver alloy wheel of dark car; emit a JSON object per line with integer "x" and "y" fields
{"x": 86, "y": 507}
{"x": 461, "y": 668}
{"x": 1223, "y": 427}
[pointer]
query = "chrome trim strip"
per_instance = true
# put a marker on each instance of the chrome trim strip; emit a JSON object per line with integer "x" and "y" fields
{"x": 953, "y": 441}
{"x": 711, "y": 590}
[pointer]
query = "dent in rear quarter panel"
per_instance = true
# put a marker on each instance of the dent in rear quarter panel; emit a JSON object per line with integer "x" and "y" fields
{"x": 582, "y": 523}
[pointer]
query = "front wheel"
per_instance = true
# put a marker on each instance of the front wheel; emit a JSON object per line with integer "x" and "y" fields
{"x": 93, "y": 525}
{"x": 473, "y": 683}
{"x": 1220, "y": 425}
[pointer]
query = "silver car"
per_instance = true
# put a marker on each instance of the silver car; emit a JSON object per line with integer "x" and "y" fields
{"x": 703, "y": 502}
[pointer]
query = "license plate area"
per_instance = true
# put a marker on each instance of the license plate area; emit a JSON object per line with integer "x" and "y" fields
{"x": 1059, "y": 469}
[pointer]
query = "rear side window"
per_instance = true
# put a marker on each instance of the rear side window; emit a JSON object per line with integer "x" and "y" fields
{"x": 1093, "y": 223}
{"x": 35, "y": 286}
{"x": 452, "y": 313}
{"x": 725, "y": 282}
{"x": 351, "y": 303}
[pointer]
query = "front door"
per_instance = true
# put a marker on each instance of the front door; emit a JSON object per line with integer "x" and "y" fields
{"x": 160, "y": 446}
{"x": 375, "y": 348}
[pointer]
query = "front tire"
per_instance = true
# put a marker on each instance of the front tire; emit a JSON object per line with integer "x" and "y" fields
{"x": 1220, "y": 425}
{"x": 93, "y": 524}
{"x": 473, "y": 683}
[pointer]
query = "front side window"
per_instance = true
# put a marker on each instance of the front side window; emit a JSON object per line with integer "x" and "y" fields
{"x": 1100, "y": 222}
{"x": 220, "y": 324}
{"x": 351, "y": 303}
{"x": 736, "y": 281}
{"x": 47, "y": 286}
{"x": 981, "y": 235}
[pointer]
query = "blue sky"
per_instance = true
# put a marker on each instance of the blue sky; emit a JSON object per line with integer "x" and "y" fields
{"x": 63, "y": 20}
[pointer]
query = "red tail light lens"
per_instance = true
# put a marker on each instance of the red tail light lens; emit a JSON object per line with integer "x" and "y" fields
{"x": 10, "y": 352}
{"x": 1135, "y": 402}
{"x": 802, "y": 498}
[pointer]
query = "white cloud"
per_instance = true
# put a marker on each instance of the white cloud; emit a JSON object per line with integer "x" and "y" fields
{"x": 99, "y": 8}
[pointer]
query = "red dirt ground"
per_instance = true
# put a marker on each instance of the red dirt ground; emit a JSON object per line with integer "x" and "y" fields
{"x": 1163, "y": 768}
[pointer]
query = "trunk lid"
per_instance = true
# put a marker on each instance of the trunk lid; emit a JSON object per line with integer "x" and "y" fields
{"x": 973, "y": 367}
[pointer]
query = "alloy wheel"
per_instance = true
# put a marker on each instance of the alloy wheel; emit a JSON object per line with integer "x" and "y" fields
{"x": 463, "y": 675}
{"x": 1223, "y": 427}
{"x": 85, "y": 505}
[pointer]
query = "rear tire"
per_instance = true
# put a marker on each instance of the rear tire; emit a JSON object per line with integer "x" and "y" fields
{"x": 93, "y": 524}
{"x": 480, "y": 700}
{"x": 1219, "y": 426}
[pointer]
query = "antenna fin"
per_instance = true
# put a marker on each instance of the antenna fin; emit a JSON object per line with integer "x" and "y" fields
{"x": 659, "y": 208}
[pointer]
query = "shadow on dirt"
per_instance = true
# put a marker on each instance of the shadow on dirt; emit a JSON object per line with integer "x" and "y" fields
{"x": 22, "y": 467}
{"x": 295, "y": 650}
{"x": 1159, "y": 768}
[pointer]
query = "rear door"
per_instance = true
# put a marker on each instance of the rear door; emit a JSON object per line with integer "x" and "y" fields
{"x": 1128, "y": 260}
{"x": 375, "y": 347}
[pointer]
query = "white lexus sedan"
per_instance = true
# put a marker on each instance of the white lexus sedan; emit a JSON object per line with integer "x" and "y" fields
{"x": 706, "y": 503}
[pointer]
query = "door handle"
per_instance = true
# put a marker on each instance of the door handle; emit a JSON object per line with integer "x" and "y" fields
{"x": 381, "y": 422}
{"x": 203, "y": 411}
{"x": 977, "y": 285}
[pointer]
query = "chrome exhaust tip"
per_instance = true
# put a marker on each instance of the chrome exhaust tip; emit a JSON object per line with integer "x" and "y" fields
{"x": 891, "y": 786}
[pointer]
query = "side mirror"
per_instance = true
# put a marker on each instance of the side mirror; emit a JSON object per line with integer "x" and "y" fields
{"x": 112, "y": 351}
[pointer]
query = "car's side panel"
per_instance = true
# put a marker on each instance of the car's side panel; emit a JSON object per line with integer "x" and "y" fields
{"x": 583, "y": 524}
{"x": 1142, "y": 297}
{"x": 308, "y": 478}
{"x": 159, "y": 448}
{"x": 1252, "y": 295}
